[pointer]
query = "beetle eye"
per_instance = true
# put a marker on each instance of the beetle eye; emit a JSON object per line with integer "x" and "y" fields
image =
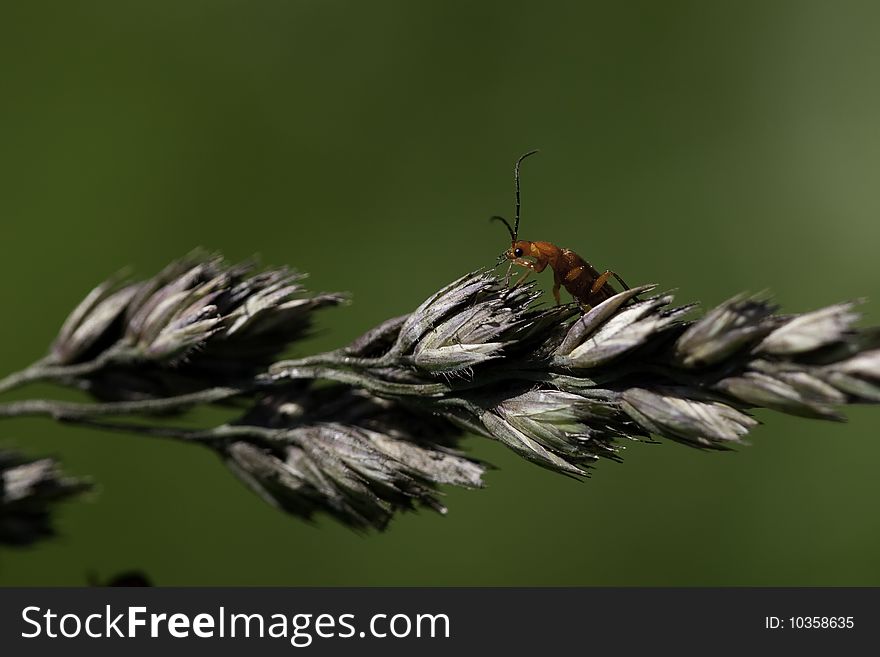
{"x": 517, "y": 252}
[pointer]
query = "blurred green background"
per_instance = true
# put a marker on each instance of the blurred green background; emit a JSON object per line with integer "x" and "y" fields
{"x": 711, "y": 147}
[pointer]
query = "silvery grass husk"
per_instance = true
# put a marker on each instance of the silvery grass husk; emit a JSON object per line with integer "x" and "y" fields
{"x": 29, "y": 490}
{"x": 200, "y": 322}
{"x": 372, "y": 428}
{"x": 348, "y": 453}
{"x": 563, "y": 388}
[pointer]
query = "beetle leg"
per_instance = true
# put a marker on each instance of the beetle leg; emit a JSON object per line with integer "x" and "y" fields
{"x": 522, "y": 262}
{"x": 600, "y": 282}
{"x": 557, "y": 283}
{"x": 540, "y": 265}
{"x": 522, "y": 278}
{"x": 530, "y": 267}
{"x": 573, "y": 274}
{"x": 507, "y": 275}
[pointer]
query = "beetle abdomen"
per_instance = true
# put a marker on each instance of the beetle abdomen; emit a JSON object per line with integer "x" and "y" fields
{"x": 577, "y": 276}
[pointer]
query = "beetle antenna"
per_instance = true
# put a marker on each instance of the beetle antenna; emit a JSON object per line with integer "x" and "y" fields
{"x": 506, "y": 223}
{"x": 515, "y": 232}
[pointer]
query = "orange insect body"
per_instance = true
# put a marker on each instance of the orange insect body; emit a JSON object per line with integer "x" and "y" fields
{"x": 579, "y": 277}
{"x": 583, "y": 281}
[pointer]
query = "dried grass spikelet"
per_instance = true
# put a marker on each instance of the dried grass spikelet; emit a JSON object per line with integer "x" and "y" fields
{"x": 348, "y": 453}
{"x": 373, "y": 428}
{"x": 563, "y": 388}
{"x": 200, "y": 321}
{"x": 29, "y": 490}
